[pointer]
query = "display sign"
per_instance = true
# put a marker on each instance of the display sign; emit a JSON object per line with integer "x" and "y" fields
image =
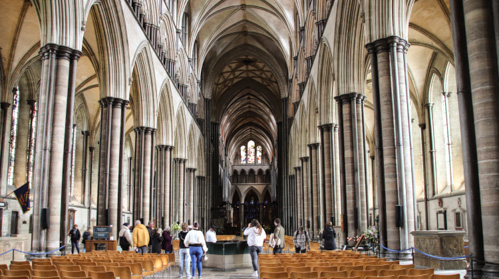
{"x": 102, "y": 232}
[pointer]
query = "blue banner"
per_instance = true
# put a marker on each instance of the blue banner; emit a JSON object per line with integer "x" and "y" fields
{"x": 22, "y": 195}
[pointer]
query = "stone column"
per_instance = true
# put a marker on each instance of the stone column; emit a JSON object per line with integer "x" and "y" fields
{"x": 468, "y": 136}
{"x": 393, "y": 141}
{"x": 198, "y": 198}
{"x": 148, "y": 174}
{"x": 353, "y": 178}
{"x": 175, "y": 197}
{"x": 144, "y": 145}
{"x": 139, "y": 171}
{"x": 315, "y": 193}
{"x": 84, "y": 164}
{"x": 56, "y": 98}
{"x": 192, "y": 186}
{"x": 425, "y": 175}
{"x": 167, "y": 206}
{"x": 181, "y": 190}
{"x": 111, "y": 152}
{"x": 305, "y": 193}
{"x": 89, "y": 217}
{"x": 160, "y": 185}
{"x": 433, "y": 151}
{"x": 482, "y": 54}
{"x": 327, "y": 172}
{"x": 299, "y": 195}
{"x": 3, "y": 181}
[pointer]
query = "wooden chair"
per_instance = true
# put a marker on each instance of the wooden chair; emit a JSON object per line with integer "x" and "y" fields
{"x": 3, "y": 267}
{"x": 41, "y": 261}
{"x": 68, "y": 268}
{"x": 13, "y": 277}
{"x": 291, "y": 269}
{"x": 17, "y": 273}
{"x": 350, "y": 268}
{"x": 148, "y": 267}
{"x": 40, "y": 277}
{"x": 428, "y": 271}
{"x": 337, "y": 274}
{"x": 422, "y": 276}
{"x": 272, "y": 275}
{"x": 363, "y": 273}
{"x": 445, "y": 276}
{"x": 309, "y": 274}
{"x": 325, "y": 268}
{"x": 72, "y": 273}
{"x": 344, "y": 277}
{"x": 381, "y": 277}
{"x": 101, "y": 275}
{"x": 44, "y": 267}
{"x": 123, "y": 272}
{"x": 45, "y": 273}
{"x": 20, "y": 263}
{"x": 136, "y": 269}
{"x": 286, "y": 265}
{"x": 378, "y": 268}
{"x": 272, "y": 269}
{"x": 88, "y": 268}
{"x": 402, "y": 266}
{"x": 393, "y": 272}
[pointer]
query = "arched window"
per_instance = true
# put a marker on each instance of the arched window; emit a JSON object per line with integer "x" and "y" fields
{"x": 259, "y": 154}
{"x": 251, "y": 152}
{"x": 13, "y": 136}
{"x": 243, "y": 154}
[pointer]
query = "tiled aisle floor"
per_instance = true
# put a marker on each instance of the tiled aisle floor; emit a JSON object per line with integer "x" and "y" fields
{"x": 211, "y": 273}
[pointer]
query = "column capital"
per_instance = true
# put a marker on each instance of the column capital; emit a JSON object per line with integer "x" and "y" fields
{"x": 139, "y": 130}
{"x": 348, "y": 97}
{"x": 335, "y": 127}
{"x": 191, "y": 169}
{"x": 63, "y": 52}
{"x": 326, "y": 127}
{"x": 429, "y": 105}
{"x": 304, "y": 159}
{"x": 31, "y": 102}
{"x": 314, "y": 145}
{"x": 4, "y": 105}
{"x": 91, "y": 149}
{"x": 383, "y": 45}
{"x": 422, "y": 126}
{"x": 150, "y": 130}
{"x": 297, "y": 168}
{"x": 85, "y": 133}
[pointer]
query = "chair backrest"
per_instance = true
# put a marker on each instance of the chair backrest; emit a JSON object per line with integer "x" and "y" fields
{"x": 124, "y": 272}
{"x": 136, "y": 268}
{"x": 271, "y": 275}
{"x": 422, "y": 276}
{"x": 46, "y": 260}
{"x": 72, "y": 273}
{"x": 44, "y": 267}
{"x": 13, "y": 277}
{"x": 402, "y": 266}
{"x": 377, "y": 267}
{"x": 45, "y": 277}
{"x": 324, "y": 268}
{"x": 337, "y": 274}
{"x": 101, "y": 275}
{"x": 45, "y": 273}
{"x": 272, "y": 269}
{"x": 4, "y": 267}
{"x": 69, "y": 267}
{"x": 381, "y": 277}
{"x": 20, "y": 267}
{"x": 363, "y": 273}
{"x": 350, "y": 268}
{"x": 291, "y": 269}
{"x": 17, "y": 273}
{"x": 310, "y": 274}
{"x": 20, "y": 263}
{"x": 427, "y": 271}
{"x": 394, "y": 272}
{"x": 445, "y": 276}
{"x": 88, "y": 268}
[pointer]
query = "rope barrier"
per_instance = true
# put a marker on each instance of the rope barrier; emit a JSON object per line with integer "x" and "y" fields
{"x": 423, "y": 253}
{"x": 33, "y": 254}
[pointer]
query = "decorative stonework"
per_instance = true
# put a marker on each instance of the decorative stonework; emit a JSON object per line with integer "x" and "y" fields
{"x": 447, "y": 244}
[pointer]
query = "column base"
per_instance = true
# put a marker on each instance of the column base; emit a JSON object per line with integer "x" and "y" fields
{"x": 404, "y": 256}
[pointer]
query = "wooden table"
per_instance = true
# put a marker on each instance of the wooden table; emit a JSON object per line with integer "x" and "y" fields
{"x": 110, "y": 244}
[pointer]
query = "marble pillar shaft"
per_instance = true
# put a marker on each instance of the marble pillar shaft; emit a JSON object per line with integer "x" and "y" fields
{"x": 393, "y": 136}
{"x": 84, "y": 164}
{"x": 139, "y": 171}
{"x": 167, "y": 170}
{"x": 299, "y": 195}
{"x": 147, "y": 175}
{"x": 305, "y": 192}
{"x": 350, "y": 115}
{"x": 315, "y": 193}
{"x": 483, "y": 71}
{"x": 327, "y": 170}
{"x": 160, "y": 185}
{"x": 56, "y": 95}
{"x": 468, "y": 136}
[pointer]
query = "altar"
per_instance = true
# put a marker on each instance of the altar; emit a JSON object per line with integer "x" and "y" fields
{"x": 227, "y": 255}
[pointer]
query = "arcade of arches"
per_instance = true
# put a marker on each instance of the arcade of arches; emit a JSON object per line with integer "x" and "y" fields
{"x": 222, "y": 111}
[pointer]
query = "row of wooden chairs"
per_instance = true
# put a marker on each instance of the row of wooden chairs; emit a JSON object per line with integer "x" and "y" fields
{"x": 299, "y": 275}
{"x": 331, "y": 272}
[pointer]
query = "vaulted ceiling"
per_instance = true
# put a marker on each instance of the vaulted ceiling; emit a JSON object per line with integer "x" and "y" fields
{"x": 246, "y": 49}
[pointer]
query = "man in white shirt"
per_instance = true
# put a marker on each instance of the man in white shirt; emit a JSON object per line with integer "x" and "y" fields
{"x": 211, "y": 235}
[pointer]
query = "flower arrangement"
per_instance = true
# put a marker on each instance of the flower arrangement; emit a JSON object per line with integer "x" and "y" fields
{"x": 371, "y": 235}
{"x": 175, "y": 228}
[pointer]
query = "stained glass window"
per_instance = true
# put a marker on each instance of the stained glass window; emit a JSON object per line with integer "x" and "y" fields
{"x": 259, "y": 154}
{"x": 243, "y": 154}
{"x": 33, "y": 115}
{"x": 251, "y": 152}
{"x": 13, "y": 136}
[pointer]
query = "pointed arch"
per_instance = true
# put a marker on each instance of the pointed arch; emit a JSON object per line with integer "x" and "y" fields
{"x": 180, "y": 140}
{"x": 164, "y": 134}
{"x": 325, "y": 84}
{"x": 313, "y": 123}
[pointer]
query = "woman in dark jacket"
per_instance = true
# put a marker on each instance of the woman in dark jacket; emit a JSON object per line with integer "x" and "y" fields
{"x": 156, "y": 241}
{"x": 329, "y": 236}
{"x": 167, "y": 241}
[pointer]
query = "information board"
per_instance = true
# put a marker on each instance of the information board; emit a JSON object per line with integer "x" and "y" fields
{"x": 102, "y": 232}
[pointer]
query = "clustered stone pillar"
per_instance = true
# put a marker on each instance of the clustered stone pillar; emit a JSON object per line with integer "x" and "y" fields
{"x": 327, "y": 171}
{"x": 393, "y": 141}
{"x": 315, "y": 193}
{"x": 299, "y": 194}
{"x": 56, "y": 95}
{"x": 84, "y": 164}
{"x": 144, "y": 144}
{"x": 181, "y": 190}
{"x": 164, "y": 153}
{"x": 202, "y": 199}
{"x": 352, "y": 162}
{"x": 477, "y": 69}
{"x": 190, "y": 189}
{"x": 111, "y": 152}
{"x": 305, "y": 192}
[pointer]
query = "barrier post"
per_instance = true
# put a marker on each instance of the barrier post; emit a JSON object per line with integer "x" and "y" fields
{"x": 13, "y": 254}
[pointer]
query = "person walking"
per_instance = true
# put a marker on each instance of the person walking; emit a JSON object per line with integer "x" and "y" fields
{"x": 183, "y": 253}
{"x": 278, "y": 236}
{"x": 301, "y": 240}
{"x": 86, "y": 236}
{"x": 211, "y": 235}
{"x": 75, "y": 235}
{"x": 197, "y": 248}
{"x": 140, "y": 237}
{"x": 125, "y": 237}
{"x": 156, "y": 241}
{"x": 329, "y": 236}
{"x": 256, "y": 236}
{"x": 167, "y": 241}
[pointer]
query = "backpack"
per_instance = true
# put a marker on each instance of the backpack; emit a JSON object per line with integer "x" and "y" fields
{"x": 124, "y": 242}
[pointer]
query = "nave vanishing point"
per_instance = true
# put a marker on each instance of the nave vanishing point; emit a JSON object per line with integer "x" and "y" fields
{"x": 363, "y": 113}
